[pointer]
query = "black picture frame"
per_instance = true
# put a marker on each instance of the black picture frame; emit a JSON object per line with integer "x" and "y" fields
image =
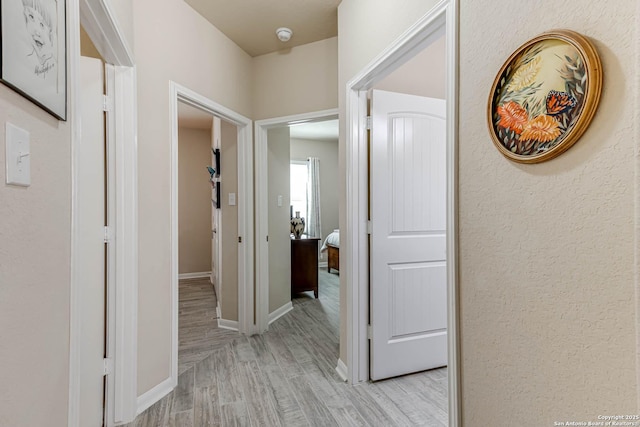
{"x": 216, "y": 154}
{"x": 33, "y": 40}
{"x": 216, "y": 200}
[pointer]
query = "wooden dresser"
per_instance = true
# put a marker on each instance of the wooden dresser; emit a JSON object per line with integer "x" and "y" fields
{"x": 304, "y": 265}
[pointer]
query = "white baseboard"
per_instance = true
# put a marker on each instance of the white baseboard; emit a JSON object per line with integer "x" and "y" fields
{"x": 199, "y": 275}
{"x": 228, "y": 324}
{"x": 323, "y": 264}
{"x": 278, "y": 313}
{"x": 341, "y": 369}
{"x": 155, "y": 394}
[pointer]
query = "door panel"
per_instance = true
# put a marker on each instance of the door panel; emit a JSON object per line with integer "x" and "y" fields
{"x": 417, "y": 174}
{"x": 216, "y": 249}
{"x": 214, "y": 221}
{"x": 408, "y": 240}
{"x": 91, "y": 246}
{"x": 410, "y": 285}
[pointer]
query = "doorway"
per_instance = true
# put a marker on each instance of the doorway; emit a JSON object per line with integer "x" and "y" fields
{"x": 244, "y": 322}
{"x": 207, "y": 233}
{"x": 421, "y": 35}
{"x": 270, "y": 201}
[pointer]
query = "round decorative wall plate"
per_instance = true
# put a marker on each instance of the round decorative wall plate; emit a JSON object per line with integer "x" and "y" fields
{"x": 544, "y": 96}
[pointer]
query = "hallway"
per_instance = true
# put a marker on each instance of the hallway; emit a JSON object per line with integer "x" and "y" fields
{"x": 285, "y": 377}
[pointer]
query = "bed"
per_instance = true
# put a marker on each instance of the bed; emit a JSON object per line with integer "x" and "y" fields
{"x": 331, "y": 245}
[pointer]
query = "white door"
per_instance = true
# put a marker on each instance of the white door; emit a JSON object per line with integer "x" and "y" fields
{"x": 216, "y": 250}
{"x": 91, "y": 217}
{"x": 408, "y": 239}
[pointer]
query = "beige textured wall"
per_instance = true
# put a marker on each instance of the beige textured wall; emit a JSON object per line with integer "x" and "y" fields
{"x": 547, "y": 251}
{"x": 424, "y": 75}
{"x": 229, "y": 180}
{"x": 299, "y": 80}
{"x": 194, "y": 200}
{"x": 365, "y": 29}
{"x": 123, "y": 10}
{"x": 35, "y": 274}
{"x": 190, "y": 54}
{"x": 327, "y": 152}
{"x": 278, "y": 165}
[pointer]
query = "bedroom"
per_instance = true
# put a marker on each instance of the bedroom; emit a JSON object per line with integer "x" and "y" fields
{"x": 290, "y": 148}
{"x": 317, "y": 140}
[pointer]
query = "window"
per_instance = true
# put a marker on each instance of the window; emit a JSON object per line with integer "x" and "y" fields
{"x": 298, "y": 181}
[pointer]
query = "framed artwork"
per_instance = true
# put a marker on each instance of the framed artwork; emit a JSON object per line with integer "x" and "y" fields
{"x": 216, "y": 155}
{"x": 544, "y": 96}
{"x": 216, "y": 199}
{"x": 34, "y": 58}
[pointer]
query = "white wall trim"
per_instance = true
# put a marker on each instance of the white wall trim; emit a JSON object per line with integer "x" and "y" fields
{"x": 199, "y": 275}
{"x": 341, "y": 369}
{"x": 245, "y": 323}
{"x": 112, "y": 253}
{"x": 232, "y": 325}
{"x": 262, "y": 205}
{"x": 152, "y": 396}
{"x": 356, "y": 256}
{"x": 100, "y": 23}
{"x": 75, "y": 320}
{"x": 322, "y": 264}
{"x": 278, "y": 313}
{"x": 453, "y": 341}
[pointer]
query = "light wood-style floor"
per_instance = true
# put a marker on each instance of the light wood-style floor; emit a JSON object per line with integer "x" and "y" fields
{"x": 285, "y": 377}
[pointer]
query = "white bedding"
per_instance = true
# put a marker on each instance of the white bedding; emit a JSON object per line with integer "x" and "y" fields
{"x": 332, "y": 239}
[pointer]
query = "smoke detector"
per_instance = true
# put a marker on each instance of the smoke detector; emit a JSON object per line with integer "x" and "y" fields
{"x": 284, "y": 34}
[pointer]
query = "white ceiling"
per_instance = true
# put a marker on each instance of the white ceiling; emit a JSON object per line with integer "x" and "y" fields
{"x": 320, "y": 131}
{"x": 252, "y": 24}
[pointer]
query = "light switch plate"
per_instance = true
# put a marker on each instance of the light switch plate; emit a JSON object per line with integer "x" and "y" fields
{"x": 17, "y": 156}
{"x": 232, "y": 199}
{"x": 279, "y": 201}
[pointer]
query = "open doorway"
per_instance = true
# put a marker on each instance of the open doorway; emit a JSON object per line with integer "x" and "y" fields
{"x": 237, "y": 302}
{"x": 296, "y": 170}
{"x": 390, "y": 289}
{"x": 302, "y": 175}
{"x": 314, "y": 175}
{"x": 407, "y": 213}
{"x": 207, "y": 234}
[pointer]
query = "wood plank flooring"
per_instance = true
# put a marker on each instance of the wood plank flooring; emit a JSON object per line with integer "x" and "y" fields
{"x": 285, "y": 377}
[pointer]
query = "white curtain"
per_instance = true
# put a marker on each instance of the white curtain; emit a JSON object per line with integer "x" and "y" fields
{"x": 314, "y": 225}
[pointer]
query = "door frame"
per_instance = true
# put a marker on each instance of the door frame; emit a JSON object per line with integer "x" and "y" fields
{"x": 98, "y": 19}
{"x": 355, "y": 254}
{"x": 262, "y": 205}
{"x": 246, "y": 324}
